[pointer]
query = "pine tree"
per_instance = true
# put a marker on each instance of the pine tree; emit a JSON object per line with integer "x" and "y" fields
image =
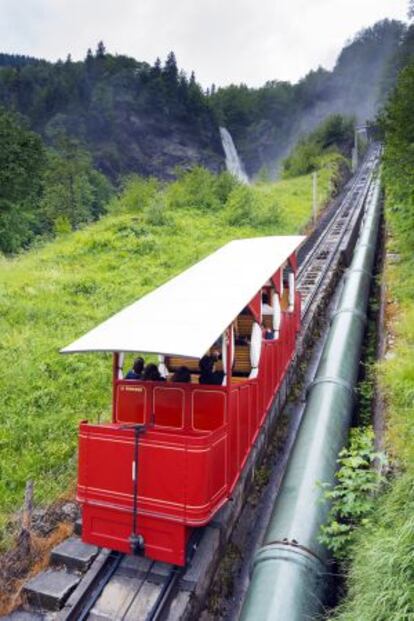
{"x": 156, "y": 69}
{"x": 170, "y": 69}
{"x": 100, "y": 50}
{"x": 89, "y": 59}
{"x": 74, "y": 192}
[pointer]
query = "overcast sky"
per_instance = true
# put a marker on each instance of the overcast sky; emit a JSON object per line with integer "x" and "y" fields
{"x": 224, "y": 41}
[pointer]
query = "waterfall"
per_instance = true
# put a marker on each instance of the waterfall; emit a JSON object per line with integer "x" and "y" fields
{"x": 233, "y": 162}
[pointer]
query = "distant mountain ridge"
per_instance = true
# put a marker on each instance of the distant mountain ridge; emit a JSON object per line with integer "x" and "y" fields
{"x": 134, "y": 117}
{"x": 266, "y": 122}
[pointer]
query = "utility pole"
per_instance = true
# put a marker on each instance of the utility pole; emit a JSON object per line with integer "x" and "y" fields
{"x": 315, "y": 196}
{"x": 355, "y": 152}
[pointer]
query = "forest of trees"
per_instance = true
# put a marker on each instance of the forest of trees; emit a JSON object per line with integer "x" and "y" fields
{"x": 65, "y": 142}
{"x": 123, "y": 111}
{"x": 43, "y": 190}
{"x": 71, "y": 131}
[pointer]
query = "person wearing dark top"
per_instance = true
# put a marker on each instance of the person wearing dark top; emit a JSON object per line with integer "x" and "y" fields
{"x": 207, "y": 373}
{"x": 136, "y": 372}
{"x": 182, "y": 374}
{"x": 152, "y": 374}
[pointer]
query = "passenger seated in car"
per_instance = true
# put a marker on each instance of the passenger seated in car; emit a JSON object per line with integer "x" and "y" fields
{"x": 266, "y": 308}
{"x": 152, "y": 374}
{"x": 182, "y": 374}
{"x": 207, "y": 373}
{"x": 136, "y": 372}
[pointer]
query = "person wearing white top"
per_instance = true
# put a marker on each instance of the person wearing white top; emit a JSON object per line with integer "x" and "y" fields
{"x": 266, "y": 308}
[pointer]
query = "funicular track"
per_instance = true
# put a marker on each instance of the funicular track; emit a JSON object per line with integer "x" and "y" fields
{"x": 147, "y": 587}
{"x": 321, "y": 248}
{"x": 149, "y": 610}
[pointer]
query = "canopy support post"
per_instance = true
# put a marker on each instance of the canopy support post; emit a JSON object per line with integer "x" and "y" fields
{"x": 115, "y": 368}
{"x": 229, "y": 358}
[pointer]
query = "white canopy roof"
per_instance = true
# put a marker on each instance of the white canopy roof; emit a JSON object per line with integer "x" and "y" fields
{"x": 187, "y": 314}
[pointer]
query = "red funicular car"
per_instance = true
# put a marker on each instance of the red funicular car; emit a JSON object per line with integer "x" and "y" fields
{"x": 173, "y": 452}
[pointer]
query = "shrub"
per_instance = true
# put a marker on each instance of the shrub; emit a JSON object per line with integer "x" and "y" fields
{"x": 240, "y": 208}
{"x": 155, "y": 211}
{"x": 225, "y": 183}
{"x": 253, "y": 206}
{"x": 302, "y": 160}
{"x": 268, "y": 209}
{"x": 353, "y": 497}
{"x": 195, "y": 189}
{"x": 62, "y": 225}
{"x": 137, "y": 193}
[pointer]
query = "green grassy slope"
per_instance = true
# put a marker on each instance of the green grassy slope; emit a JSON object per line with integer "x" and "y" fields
{"x": 55, "y": 293}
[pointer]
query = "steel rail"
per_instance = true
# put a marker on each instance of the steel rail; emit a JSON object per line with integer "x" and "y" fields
{"x": 325, "y": 218}
{"x": 335, "y": 212}
{"x": 81, "y": 609}
{"x": 320, "y": 244}
{"x": 361, "y": 183}
{"x": 165, "y": 594}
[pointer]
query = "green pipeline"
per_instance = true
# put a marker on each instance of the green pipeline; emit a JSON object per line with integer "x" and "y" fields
{"x": 290, "y": 576}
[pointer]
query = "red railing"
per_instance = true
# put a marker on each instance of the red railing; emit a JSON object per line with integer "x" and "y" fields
{"x": 191, "y": 408}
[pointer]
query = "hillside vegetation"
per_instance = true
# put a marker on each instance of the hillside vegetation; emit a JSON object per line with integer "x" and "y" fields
{"x": 43, "y": 191}
{"x": 334, "y": 135}
{"x": 130, "y": 115}
{"x": 381, "y": 572}
{"x": 70, "y": 132}
{"x": 54, "y": 293}
{"x": 136, "y": 117}
{"x": 267, "y": 122}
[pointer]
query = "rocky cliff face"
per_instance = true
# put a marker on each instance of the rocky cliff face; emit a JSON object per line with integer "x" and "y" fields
{"x": 149, "y": 144}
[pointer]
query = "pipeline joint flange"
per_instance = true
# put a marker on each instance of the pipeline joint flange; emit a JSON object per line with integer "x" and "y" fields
{"x": 353, "y": 311}
{"x": 288, "y": 551}
{"x": 365, "y": 245}
{"x": 358, "y": 270}
{"x": 333, "y": 380}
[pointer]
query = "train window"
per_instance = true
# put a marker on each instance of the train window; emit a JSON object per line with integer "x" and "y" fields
{"x": 169, "y": 407}
{"x": 208, "y": 410}
{"x": 131, "y": 403}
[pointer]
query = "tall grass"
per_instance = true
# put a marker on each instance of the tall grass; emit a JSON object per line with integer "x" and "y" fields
{"x": 381, "y": 580}
{"x": 381, "y": 575}
{"x": 53, "y": 294}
